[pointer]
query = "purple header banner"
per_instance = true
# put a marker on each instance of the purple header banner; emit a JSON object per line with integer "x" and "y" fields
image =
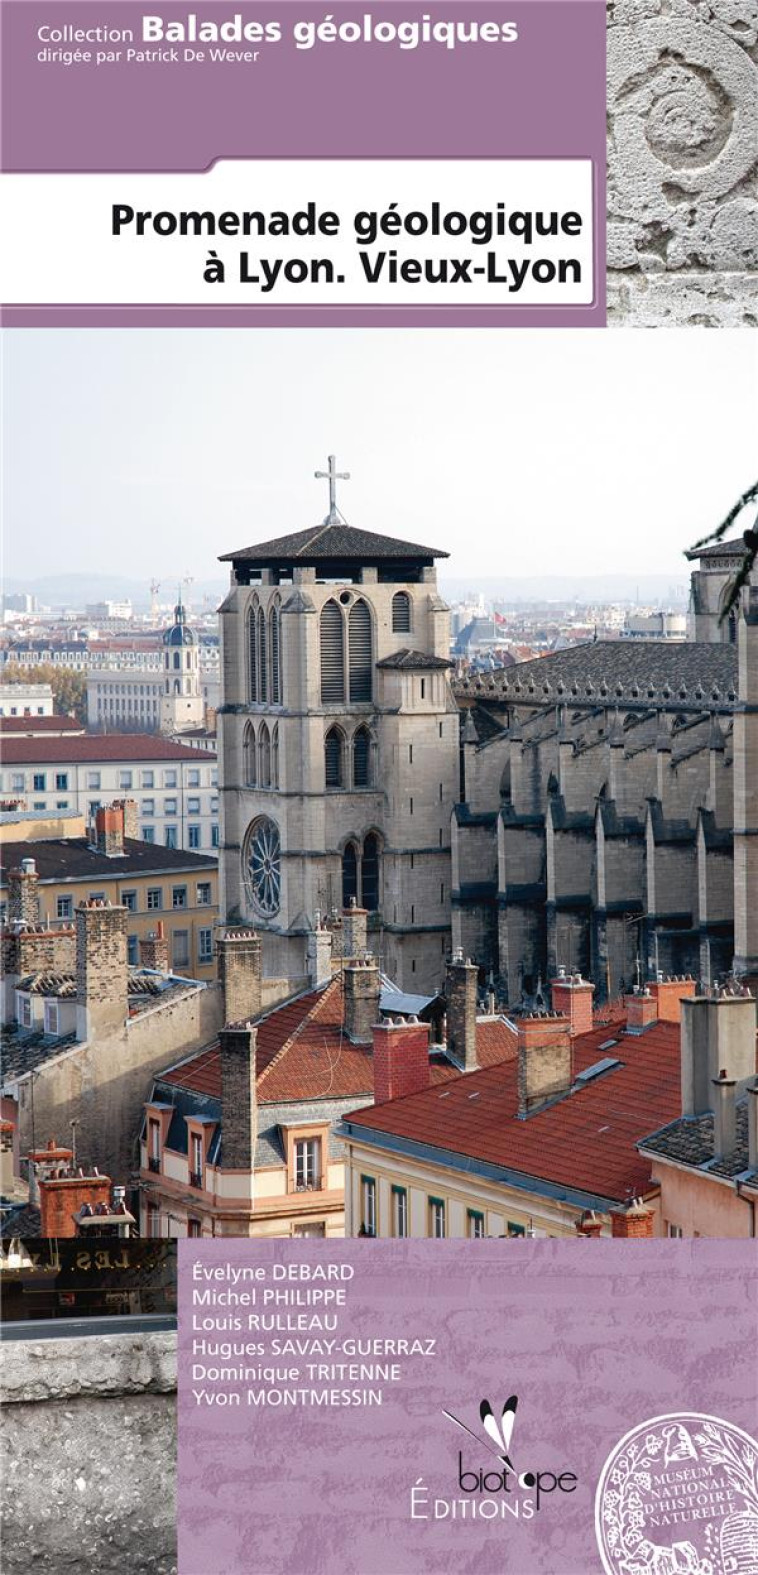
{"x": 92, "y": 87}
{"x": 432, "y": 1408}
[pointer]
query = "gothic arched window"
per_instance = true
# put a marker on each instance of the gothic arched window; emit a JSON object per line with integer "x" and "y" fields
{"x": 252, "y": 655}
{"x": 361, "y": 758}
{"x": 370, "y": 872}
{"x": 349, "y": 875}
{"x": 332, "y": 654}
{"x": 333, "y": 758}
{"x": 359, "y": 651}
{"x": 262, "y": 665}
{"x": 275, "y": 758}
{"x": 401, "y": 613}
{"x": 276, "y": 656}
{"x": 264, "y": 757}
{"x": 250, "y": 754}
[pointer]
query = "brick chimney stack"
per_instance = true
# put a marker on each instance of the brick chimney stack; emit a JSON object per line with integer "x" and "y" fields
{"x": 240, "y": 972}
{"x": 130, "y": 816}
{"x": 634, "y": 1223}
{"x": 239, "y": 1104}
{"x": 461, "y": 988}
{"x": 102, "y": 1002}
{"x": 717, "y": 1032}
{"x": 362, "y": 988}
{"x": 641, "y": 1011}
{"x": 572, "y": 998}
{"x": 544, "y": 1060}
{"x": 62, "y": 1196}
{"x": 668, "y": 994}
{"x": 354, "y": 931}
{"x": 153, "y": 950}
{"x": 724, "y": 1115}
{"x": 589, "y": 1224}
{"x": 109, "y": 832}
{"x": 401, "y": 1058}
{"x": 23, "y": 894}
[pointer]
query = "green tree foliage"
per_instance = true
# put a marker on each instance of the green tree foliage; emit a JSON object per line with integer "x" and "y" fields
{"x": 68, "y": 685}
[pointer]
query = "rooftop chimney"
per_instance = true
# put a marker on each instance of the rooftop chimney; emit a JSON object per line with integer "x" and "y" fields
{"x": 63, "y": 1196}
{"x": 101, "y": 971}
{"x": 354, "y": 931}
{"x": 401, "y": 1058}
{"x": 633, "y": 1223}
{"x": 572, "y": 998}
{"x": 239, "y": 1103}
{"x": 130, "y": 816}
{"x": 361, "y": 985}
{"x": 153, "y": 950}
{"x": 544, "y": 1060}
{"x": 109, "y": 832}
{"x": 641, "y": 1011}
{"x": 589, "y": 1224}
{"x": 23, "y": 894}
{"x": 461, "y": 992}
{"x": 718, "y": 1032}
{"x": 724, "y": 1115}
{"x": 240, "y": 972}
{"x": 668, "y": 995}
{"x": 319, "y": 956}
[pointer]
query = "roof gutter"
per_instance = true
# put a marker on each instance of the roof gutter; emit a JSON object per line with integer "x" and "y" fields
{"x": 448, "y": 1160}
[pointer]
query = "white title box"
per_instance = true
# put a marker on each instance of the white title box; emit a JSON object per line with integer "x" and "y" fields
{"x": 533, "y": 244}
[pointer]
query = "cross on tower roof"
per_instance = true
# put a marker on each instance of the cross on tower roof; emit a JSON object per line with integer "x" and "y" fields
{"x": 332, "y": 475}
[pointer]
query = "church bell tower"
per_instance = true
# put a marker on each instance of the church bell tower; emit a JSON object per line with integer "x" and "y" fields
{"x": 338, "y": 744}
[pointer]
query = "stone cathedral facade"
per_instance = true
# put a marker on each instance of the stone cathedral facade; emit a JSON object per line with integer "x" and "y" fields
{"x": 608, "y": 822}
{"x": 594, "y": 810}
{"x": 339, "y": 746}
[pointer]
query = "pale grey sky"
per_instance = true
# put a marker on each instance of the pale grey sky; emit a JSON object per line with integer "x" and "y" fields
{"x": 145, "y": 452}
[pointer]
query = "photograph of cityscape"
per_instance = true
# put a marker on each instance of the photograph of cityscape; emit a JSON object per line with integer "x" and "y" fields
{"x": 379, "y": 786}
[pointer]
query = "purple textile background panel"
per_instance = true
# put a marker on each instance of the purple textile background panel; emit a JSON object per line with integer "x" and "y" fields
{"x": 289, "y": 1465}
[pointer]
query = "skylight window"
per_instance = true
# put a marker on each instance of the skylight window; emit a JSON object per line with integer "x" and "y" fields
{"x": 597, "y": 1069}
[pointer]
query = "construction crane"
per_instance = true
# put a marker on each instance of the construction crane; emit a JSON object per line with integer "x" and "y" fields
{"x": 186, "y": 580}
{"x": 155, "y": 586}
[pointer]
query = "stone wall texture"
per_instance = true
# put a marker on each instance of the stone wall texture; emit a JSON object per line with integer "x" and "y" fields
{"x": 683, "y": 163}
{"x": 88, "y": 1455}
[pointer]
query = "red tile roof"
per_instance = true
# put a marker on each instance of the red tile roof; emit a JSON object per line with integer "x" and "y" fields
{"x": 97, "y": 747}
{"x": 302, "y": 1053}
{"x": 585, "y": 1141}
{"x": 31, "y": 725}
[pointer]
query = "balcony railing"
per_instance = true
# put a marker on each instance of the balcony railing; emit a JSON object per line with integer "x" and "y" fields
{"x": 154, "y": 1165}
{"x": 196, "y": 1178}
{"x": 312, "y": 1185}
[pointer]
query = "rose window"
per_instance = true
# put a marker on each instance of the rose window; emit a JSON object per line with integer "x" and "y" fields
{"x": 262, "y": 862}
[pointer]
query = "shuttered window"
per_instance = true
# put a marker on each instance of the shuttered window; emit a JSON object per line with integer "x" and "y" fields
{"x": 332, "y": 654}
{"x": 401, "y": 613}
{"x": 370, "y": 873}
{"x": 349, "y": 875}
{"x": 333, "y": 758}
{"x": 265, "y": 756}
{"x": 262, "y": 676}
{"x": 359, "y": 641}
{"x": 276, "y": 664}
{"x": 252, "y": 654}
{"x": 251, "y": 772}
{"x": 361, "y": 757}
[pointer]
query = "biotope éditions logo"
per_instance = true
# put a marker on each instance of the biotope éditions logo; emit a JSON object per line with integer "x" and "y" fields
{"x": 489, "y": 1494}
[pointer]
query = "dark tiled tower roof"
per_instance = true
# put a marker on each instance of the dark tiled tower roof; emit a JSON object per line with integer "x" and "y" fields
{"x": 331, "y": 541}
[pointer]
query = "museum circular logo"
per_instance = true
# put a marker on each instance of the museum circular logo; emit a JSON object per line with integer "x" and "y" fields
{"x": 679, "y": 1496}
